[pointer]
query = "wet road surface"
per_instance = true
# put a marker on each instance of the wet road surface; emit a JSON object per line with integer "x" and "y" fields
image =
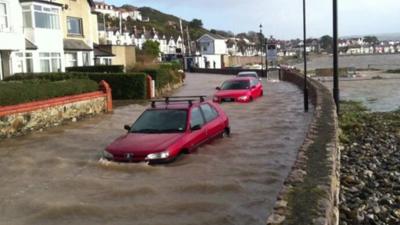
{"x": 56, "y": 177}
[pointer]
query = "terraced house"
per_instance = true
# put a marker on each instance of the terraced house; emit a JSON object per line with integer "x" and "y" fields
{"x": 11, "y": 34}
{"x": 58, "y": 33}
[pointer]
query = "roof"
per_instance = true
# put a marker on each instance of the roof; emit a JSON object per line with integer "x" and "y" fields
{"x": 76, "y": 45}
{"x": 43, "y": 1}
{"x": 29, "y": 45}
{"x": 102, "y": 53}
{"x": 213, "y": 36}
{"x": 91, "y": 3}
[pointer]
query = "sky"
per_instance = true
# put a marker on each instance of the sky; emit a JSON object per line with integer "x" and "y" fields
{"x": 283, "y": 18}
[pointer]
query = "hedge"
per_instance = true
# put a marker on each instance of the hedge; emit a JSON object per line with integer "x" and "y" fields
{"x": 97, "y": 69}
{"x": 46, "y": 76}
{"x": 16, "y": 92}
{"x": 123, "y": 85}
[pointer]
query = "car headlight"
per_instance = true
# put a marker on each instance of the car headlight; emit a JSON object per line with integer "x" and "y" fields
{"x": 215, "y": 99}
{"x": 107, "y": 155}
{"x": 243, "y": 98}
{"x": 160, "y": 155}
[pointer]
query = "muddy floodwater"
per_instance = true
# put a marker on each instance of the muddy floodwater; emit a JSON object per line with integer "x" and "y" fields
{"x": 56, "y": 176}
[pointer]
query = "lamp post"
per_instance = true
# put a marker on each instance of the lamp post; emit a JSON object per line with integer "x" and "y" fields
{"x": 335, "y": 56}
{"x": 262, "y": 50}
{"x": 305, "y": 58}
{"x": 266, "y": 58}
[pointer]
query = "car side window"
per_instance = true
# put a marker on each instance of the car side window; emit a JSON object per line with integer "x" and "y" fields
{"x": 209, "y": 112}
{"x": 196, "y": 118}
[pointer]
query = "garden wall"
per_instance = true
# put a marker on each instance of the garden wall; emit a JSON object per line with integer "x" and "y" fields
{"x": 22, "y": 118}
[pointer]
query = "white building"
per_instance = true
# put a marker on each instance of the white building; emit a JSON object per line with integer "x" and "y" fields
{"x": 44, "y": 49}
{"x": 212, "y": 48}
{"x": 105, "y": 9}
{"x": 169, "y": 46}
{"x": 11, "y": 34}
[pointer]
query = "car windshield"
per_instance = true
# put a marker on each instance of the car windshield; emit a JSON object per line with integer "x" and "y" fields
{"x": 160, "y": 121}
{"x": 235, "y": 85}
{"x": 247, "y": 75}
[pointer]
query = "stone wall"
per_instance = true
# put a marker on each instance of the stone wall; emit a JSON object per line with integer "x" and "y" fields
{"x": 20, "y": 119}
{"x": 310, "y": 194}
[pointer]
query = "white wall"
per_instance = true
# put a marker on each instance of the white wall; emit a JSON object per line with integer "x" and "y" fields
{"x": 11, "y": 37}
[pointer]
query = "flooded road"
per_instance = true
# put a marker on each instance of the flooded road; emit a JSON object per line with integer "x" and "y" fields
{"x": 56, "y": 177}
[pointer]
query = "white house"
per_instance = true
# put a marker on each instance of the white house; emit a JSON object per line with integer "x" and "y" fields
{"x": 11, "y": 34}
{"x": 44, "y": 38}
{"x": 212, "y": 48}
{"x": 105, "y": 9}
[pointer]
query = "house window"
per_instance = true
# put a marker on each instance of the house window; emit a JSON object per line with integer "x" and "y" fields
{"x": 50, "y": 62}
{"x": 3, "y": 16}
{"x": 46, "y": 17}
{"x": 27, "y": 16}
{"x": 71, "y": 59}
{"x": 74, "y": 26}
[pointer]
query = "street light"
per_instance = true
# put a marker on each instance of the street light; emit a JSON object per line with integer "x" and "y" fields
{"x": 335, "y": 56}
{"x": 261, "y": 45}
{"x": 305, "y": 58}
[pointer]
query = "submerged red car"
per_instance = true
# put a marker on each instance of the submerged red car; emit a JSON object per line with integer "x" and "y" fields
{"x": 169, "y": 128}
{"x": 240, "y": 89}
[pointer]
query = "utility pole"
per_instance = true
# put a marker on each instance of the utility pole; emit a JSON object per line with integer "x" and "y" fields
{"x": 305, "y": 57}
{"x": 261, "y": 50}
{"x": 182, "y": 36}
{"x": 335, "y": 57}
{"x": 120, "y": 23}
{"x": 188, "y": 40}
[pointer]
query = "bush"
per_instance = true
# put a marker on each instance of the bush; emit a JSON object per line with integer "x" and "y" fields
{"x": 97, "y": 69}
{"x": 163, "y": 77}
{"x": 173, "y": 65}
{"x": 124, "y": 85}
{"x": 46, "y": 76}
{"x": 16, "y": 92}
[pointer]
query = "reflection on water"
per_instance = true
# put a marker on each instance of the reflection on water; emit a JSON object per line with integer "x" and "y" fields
{"x": 57, "y": 176}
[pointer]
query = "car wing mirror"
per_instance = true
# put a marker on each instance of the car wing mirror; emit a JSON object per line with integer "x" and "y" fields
{"x": 195, "y": 127}
{"x": 254, "y": 86}
{"x": 127, "y": 127}
{"x": 218, "y": 88}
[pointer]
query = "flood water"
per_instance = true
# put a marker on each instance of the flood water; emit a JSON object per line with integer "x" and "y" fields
{"x": 383, "y": 62}
{"x": 56, "y": 176}
{"x": 379, "y": 95}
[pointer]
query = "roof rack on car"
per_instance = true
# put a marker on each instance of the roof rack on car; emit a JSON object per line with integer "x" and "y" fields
{"x": 188, "y": 99}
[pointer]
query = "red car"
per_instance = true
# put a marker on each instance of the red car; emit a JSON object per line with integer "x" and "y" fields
{"x": 169, "y": 128}
{"x": 240, "y": 89}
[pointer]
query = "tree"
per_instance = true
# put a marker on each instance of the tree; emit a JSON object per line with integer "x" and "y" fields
{"x": 371, "y": 40}
{"x": 151, "y": 49}
{"x": 196, "y": 23}
{"x": 326, "y": 43}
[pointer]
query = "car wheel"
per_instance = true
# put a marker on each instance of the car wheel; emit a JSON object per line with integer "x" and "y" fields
{"x": 226, "y": 133}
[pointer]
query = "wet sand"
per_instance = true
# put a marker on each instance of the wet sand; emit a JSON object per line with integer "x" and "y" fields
{"x": 56, "y": 177}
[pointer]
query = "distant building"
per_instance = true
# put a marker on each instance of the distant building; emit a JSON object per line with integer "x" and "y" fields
{"x": 124, "y": 13}
{"x": 212, "y": 47}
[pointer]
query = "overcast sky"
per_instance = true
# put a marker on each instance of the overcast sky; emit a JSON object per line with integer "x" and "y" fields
{"x": 283, "y": 18}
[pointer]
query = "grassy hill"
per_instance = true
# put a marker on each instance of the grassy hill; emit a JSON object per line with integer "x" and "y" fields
{"x": 165, "y": 24}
